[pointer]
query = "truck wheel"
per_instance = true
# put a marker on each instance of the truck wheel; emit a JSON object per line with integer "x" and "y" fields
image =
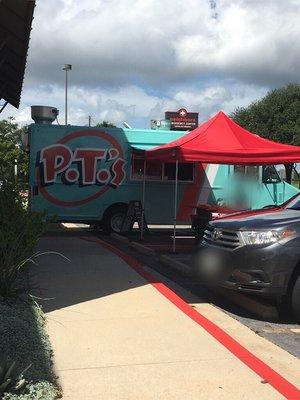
{"x": 295, "y": 299}
{"x": 113, "y": 218}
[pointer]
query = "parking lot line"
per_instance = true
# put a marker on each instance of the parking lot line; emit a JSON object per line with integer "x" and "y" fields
{"x": 269, "y": 375}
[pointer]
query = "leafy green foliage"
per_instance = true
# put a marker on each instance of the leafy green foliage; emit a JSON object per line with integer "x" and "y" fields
{"x": 20, "y": 231}
{"x": 10, "y": 150}
{"x": 22, "y": 333}
{"x": 276, "y": 117}
{"x": 105, "y": 124}
{"x": 37, "y": 391}
{"x": 10, "y": 378}
{"x": 23, "y": 338}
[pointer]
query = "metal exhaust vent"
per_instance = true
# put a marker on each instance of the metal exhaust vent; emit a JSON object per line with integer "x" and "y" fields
{"x": 44, "y": 114}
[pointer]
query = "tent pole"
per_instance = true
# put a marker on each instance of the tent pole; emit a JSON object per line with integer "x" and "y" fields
{"x": 143, "y": 199}
{"x": 175, "y": 207}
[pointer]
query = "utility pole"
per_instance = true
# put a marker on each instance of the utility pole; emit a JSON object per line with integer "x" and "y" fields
{"x": 90, "y": 120}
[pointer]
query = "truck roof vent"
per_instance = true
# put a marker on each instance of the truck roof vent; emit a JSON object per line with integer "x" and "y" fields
{"x": 44, "y": 114}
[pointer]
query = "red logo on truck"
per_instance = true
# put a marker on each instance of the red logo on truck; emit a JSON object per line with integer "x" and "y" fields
{"x": 80, "y": 166}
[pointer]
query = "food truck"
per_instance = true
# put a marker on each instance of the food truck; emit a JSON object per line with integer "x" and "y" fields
{"x": 89, "y": 174}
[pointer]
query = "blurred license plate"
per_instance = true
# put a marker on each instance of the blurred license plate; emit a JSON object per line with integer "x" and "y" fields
{"x": 212, "y": 265}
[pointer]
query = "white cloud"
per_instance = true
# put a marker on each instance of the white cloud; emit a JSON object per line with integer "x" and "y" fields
{"x": 134, "y": 59}
{"x": 116, "y": 42}
{"x": 250, "y": 40}
{"x": 135, "y": 105}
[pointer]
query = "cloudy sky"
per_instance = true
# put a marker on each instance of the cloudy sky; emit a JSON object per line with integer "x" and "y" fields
{"x": 134, "y": 59}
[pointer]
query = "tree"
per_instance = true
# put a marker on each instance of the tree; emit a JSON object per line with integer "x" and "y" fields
{"x": 10, "y": 150}
{"x": 105, "y": 124}
{"x": 276, "y": 117}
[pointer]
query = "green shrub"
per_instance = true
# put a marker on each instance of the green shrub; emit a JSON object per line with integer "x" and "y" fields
{"x": 20, "y": 231}
{"x": 22, "y": 333}
{"x": 39, "y": 391}
{"x": 24, "y": 340}
{"x": 11, "y": 379}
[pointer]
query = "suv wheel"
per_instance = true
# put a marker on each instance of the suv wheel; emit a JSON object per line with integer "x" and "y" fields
{"x": 113, "y": 218}
{"x": 295, "y": 299}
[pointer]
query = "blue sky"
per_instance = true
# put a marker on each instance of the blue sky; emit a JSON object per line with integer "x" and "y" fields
{"x": 134, "y": 59}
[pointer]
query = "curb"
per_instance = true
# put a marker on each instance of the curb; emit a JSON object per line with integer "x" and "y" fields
{"x": 120, "y": 238}
{"x": 178, "y": 265}
{"x": 142, "y": 249}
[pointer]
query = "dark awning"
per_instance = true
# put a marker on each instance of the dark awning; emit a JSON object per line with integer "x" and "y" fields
{"x": 15, "y": 26}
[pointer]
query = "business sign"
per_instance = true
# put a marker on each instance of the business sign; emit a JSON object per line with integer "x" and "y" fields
{"x": 182, "y": 120}
{"x": 83, "y": 172}
{"x": 160, "y": 124}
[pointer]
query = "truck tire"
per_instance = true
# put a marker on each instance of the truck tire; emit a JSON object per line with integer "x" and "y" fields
{"x": 295, "y": 299}
{"x": 113, "y": 218}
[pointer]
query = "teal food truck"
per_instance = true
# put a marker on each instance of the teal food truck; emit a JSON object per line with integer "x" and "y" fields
{"x": 82, "y": 174}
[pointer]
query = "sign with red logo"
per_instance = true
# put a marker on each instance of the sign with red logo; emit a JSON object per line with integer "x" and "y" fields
{"x": 182, "y": 120}
{"x": 79, "y": 168}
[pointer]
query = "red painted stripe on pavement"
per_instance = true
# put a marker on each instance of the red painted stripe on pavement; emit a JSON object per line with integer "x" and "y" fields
{"x": 277, "y": 381}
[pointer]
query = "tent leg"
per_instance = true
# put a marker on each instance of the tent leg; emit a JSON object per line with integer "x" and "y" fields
{"x": 143, "y": 199}
{"x": 175, "y": 207}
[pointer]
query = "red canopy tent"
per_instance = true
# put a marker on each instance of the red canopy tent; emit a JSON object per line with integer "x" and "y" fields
{"x": 221, "y": 141}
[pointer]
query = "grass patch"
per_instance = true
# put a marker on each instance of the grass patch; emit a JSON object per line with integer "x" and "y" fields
{"x": 24, "y": 340}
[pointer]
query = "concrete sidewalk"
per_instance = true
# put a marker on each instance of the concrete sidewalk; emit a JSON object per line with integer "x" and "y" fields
{"x": 115, "y": 337}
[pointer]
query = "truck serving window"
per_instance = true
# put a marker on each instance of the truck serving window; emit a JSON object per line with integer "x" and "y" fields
{"x": 159, "y": 171}
{"x": 270, "y": 174}
{"x": 137, "y": 168}
{"x": 185, "y": 172}
{"x": 153, "y": 169}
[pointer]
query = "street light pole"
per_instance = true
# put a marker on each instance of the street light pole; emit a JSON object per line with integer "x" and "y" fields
{"x": 66, "y": 67}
